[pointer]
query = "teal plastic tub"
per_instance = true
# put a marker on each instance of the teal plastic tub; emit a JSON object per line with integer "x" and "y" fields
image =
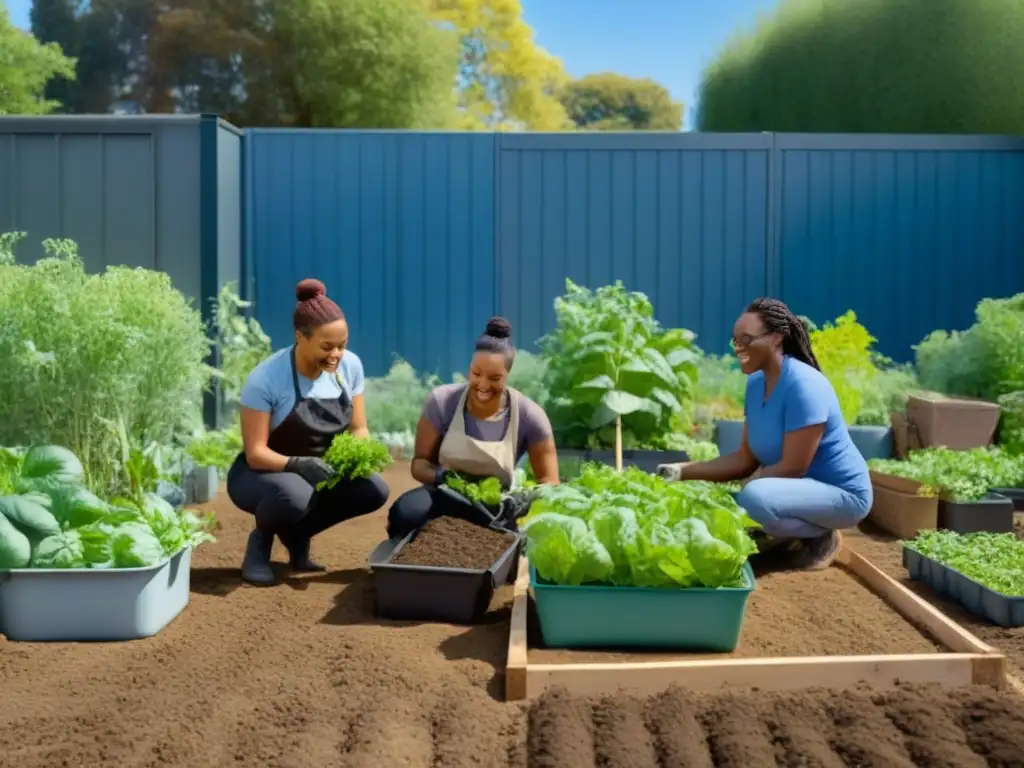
{"x": 697, "y": 620}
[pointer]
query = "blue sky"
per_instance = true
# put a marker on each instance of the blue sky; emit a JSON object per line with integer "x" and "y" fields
{"x": 668, "y": 40}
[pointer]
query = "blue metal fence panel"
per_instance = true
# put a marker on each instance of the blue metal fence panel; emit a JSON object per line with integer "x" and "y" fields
{"x": 681, "y": 217}
{"x": 908, "y": 231}
{"x": 399, "y": 226}
{"x": 422, "y": 236}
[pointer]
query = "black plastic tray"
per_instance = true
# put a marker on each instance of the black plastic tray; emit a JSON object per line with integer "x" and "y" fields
{"x": 428, "y": 593}
{"x": 992, "y": 514}
{"x": 1016, "y": 495}
{"x": 645, "y": 460}
{"x": 998, "y": 608}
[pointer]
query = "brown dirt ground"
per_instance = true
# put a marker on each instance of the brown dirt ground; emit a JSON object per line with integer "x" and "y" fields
{"x": 900, "y": 728}
{"x": 304, "y": 674}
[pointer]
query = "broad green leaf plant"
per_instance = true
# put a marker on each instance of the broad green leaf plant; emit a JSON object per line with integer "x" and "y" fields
{"x": 608, "y": 357}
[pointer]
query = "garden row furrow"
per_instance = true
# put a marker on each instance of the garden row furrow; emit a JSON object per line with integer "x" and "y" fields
{"x": 910, "y": 726}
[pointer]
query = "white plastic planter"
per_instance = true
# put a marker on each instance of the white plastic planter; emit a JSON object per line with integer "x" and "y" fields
{"x": 82, "y": 604}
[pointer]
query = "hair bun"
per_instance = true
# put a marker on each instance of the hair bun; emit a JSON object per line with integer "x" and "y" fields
{"x": 310, "y": 289}
{"x": 498, "y": 328}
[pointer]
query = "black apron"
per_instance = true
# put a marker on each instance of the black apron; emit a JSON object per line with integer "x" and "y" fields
{"x": 312, "y": 424}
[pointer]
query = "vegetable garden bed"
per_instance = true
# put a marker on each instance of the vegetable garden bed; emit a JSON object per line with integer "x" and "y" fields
{"x": 530, "y": 671}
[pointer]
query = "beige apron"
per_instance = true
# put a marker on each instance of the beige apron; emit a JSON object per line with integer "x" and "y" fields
{"x": 461, "y": 453}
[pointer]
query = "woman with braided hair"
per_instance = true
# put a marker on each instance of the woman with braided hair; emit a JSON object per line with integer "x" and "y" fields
{"x": 809, "y": 480}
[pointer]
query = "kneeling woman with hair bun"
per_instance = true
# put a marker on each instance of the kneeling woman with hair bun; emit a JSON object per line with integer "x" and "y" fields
{"x": 293, "y": 405}
{"x": 478, "y": 429}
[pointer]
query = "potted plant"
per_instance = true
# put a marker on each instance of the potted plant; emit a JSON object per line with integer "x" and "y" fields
{"x": 984, "y": 572}
{"x": 961, "y": 481}
{"x": 211, "y": 455}
{"x": 624, "y": 559}
{"x": 616, "y": 377}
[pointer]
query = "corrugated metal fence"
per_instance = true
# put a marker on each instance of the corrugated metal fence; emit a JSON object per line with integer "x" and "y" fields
{"x": 422, "y": 237}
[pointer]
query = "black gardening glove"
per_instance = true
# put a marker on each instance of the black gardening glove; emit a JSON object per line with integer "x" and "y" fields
{"x": 516, "y": 505}
{"x": 441, "y": 476}
{"x": 313, "y": 470}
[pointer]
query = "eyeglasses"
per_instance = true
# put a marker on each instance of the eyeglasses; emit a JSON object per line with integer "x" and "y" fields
{"x": 746, "y": 339}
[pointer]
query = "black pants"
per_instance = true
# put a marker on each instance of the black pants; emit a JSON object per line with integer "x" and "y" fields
{"x": 284, "y": 504}
{"x": 414, "y": 508}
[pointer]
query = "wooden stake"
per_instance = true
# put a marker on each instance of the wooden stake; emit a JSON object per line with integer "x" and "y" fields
{"x": 618, "y": 443}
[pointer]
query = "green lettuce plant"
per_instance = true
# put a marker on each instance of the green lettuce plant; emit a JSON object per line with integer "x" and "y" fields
{"x": 608, "y": 358}
{"x": 635, "y": 529}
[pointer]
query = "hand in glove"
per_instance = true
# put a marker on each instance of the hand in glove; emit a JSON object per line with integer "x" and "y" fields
{"x": 671, "y": 471}
{"x": 441, "y": 476}
{"x": 517, "y": 504}
{"x": 314, "y": 471}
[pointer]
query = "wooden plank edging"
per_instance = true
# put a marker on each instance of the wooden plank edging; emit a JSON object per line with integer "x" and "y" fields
{"x": 973, "y": 661}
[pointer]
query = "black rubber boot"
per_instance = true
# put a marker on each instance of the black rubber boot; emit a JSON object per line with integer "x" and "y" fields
{"x": 256, "y": 567}
{"x": 298, "y": 555}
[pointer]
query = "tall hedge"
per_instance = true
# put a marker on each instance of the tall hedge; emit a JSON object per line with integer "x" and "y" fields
{"x": 879, "y": 66}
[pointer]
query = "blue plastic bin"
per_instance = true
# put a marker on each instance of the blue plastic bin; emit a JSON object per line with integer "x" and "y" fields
{"x": 873, "y": 442}
{"x": 697, "y": 620}
{"x": 1002, "y": 610}
{"x": 728, "y": 436}
{"x": 81, "y": 604}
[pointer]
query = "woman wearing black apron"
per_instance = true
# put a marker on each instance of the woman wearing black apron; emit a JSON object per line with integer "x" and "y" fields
{"x": 293, "y": 404}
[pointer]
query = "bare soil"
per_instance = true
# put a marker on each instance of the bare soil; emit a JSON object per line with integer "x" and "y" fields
{"x": 304, "y": 674}
{"x": 899, "y": 728}
{"x": 452, "y": 543}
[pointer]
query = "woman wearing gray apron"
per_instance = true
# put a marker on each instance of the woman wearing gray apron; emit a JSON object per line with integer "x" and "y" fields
{"x": 293, "y": 404}
{"x": 478, "y": 429}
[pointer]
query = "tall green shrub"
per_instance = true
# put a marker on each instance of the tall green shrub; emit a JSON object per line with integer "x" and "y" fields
{"x": 102, "y": 364}
{"x": 888, "y": 66}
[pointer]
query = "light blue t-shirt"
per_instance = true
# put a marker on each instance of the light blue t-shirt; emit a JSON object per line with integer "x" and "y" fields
{"x": 269, "y": 387}
{"x": 803, "y": 397}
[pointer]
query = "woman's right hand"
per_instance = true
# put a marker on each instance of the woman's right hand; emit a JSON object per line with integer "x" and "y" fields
{"x": 311, "y": 469}
{"x": 672, "y": 471}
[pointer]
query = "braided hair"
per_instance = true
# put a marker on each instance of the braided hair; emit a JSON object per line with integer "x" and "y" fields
{"x": 778, "y": 318}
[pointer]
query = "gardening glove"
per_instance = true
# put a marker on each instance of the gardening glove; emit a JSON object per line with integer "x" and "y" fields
{"x": 441, "y": 475}
{"x": 313, "y": 470}
{"x": 516, "y": 505}
{"x": 672, "y": 471}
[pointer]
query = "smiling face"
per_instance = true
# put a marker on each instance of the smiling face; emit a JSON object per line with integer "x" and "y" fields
{"x": 487, "y": 377}
{"x": 755, "y": 345}
{"x": 324, "y": 347}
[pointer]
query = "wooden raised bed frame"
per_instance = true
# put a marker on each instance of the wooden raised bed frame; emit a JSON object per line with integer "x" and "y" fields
{"x": 970, "y": 662}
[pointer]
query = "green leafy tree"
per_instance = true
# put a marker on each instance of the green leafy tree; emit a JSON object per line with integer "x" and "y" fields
{"x": 56, "y": 21}
{"x": 611, "y": 102}
{"x": 505, "y": 80}
{"x": 26, "y": 68}
{"x": 366, "y": 63}
{"x": 893, "y": 66}
{"x": 303, "y": 63}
